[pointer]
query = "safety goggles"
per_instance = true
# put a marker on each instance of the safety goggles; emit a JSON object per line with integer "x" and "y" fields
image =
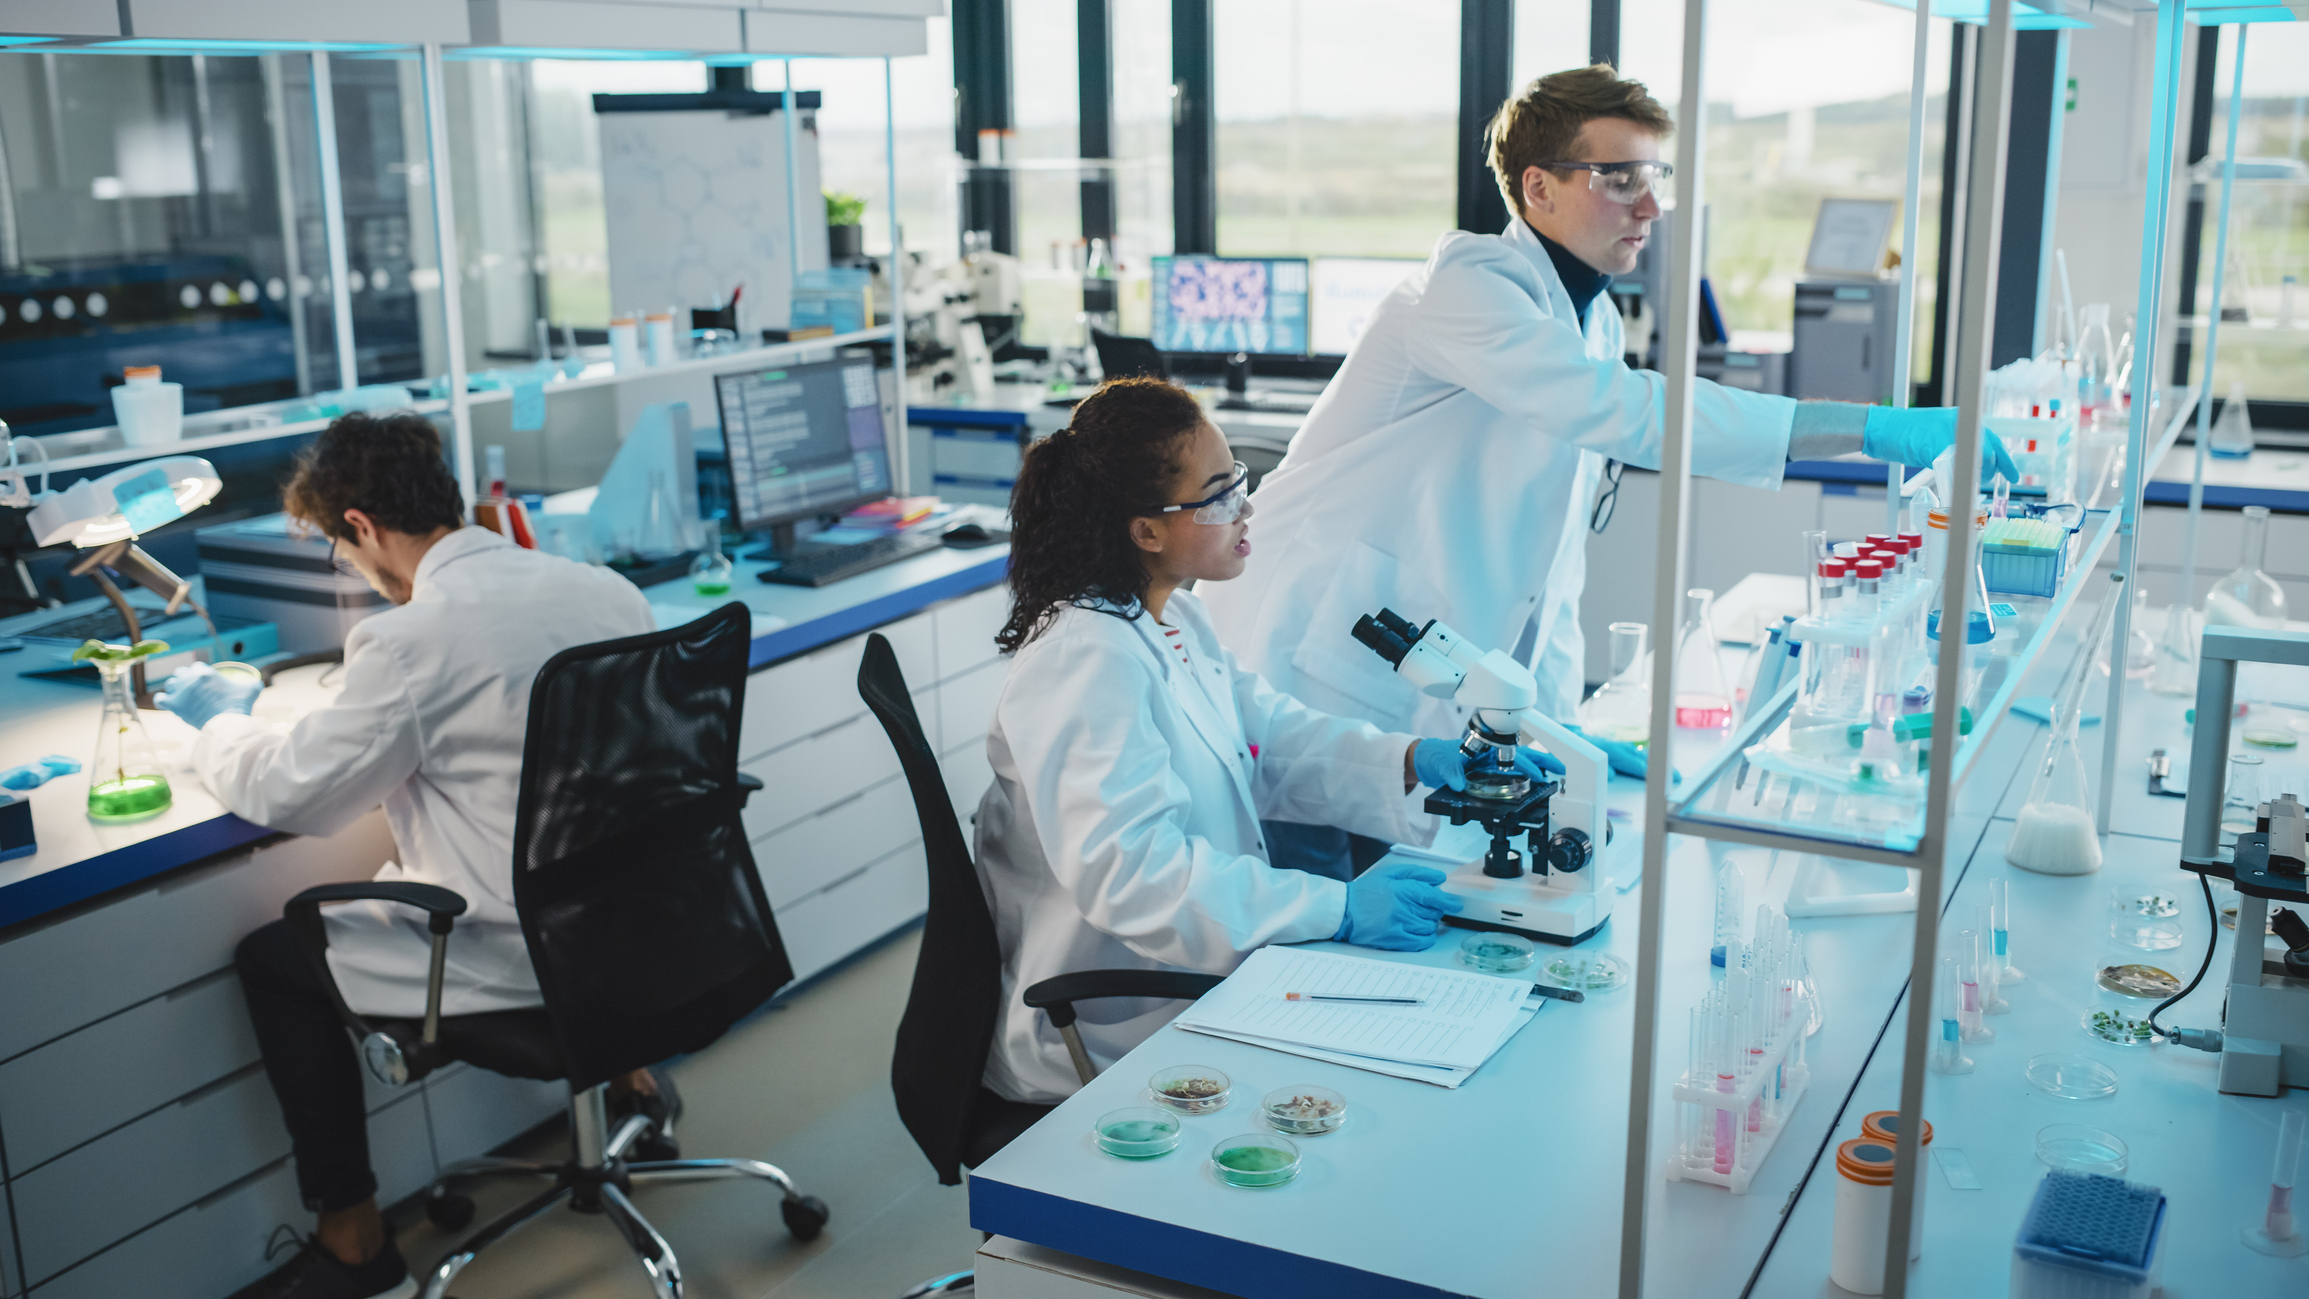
{"x": 1625, "y": 182}
{"x": 342, "y": 565}
{"x": 1225, "y": 506}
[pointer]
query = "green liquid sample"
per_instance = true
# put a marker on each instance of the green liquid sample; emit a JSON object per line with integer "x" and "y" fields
{"x": 711, "y": 588}
{"x": 1137, "y": 1131}
{"x": 129, "y": 799}
{"x": 1255, "y": 1159}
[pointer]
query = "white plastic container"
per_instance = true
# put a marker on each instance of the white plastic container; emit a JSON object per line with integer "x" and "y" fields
{"x": 1882, "y": 1126}
{"x": 624, "y": 344}
{"x": 657, "y": 338}
{"x": 150, "y": 413}
{"x": 1863, "y": 1215}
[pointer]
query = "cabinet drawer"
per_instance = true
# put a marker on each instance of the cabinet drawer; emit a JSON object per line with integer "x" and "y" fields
{"x": 966, "y": 629}
{"x": 968, "y": 773}
{"x": 816, "y": 772}
{"x": 69, "y": 972}
{"x": 825, "y": 927}
{"x": 806, "y": 856}
{"x": 966, "y": 703}
{"x": 805, "y": 695}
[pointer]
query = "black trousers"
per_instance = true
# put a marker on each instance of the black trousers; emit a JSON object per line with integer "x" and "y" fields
{"x": 313, "y": 1067}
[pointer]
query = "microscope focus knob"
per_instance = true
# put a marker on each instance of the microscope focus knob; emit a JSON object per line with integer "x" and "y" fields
{"x": 1569, "y": 851}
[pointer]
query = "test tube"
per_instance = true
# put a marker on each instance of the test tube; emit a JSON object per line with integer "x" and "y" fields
{"x": 1992, "y": 1000}
{"x": 1968, "y": 975}
{"x": 1727, "y": 1033}
{"x": 2277, "y": 1233}
{"x": 2000, "y": 930}
{"x": 1815, "y": 550}
{"x": 1730, "y": 891}
{"x": 1948, "y": 1049}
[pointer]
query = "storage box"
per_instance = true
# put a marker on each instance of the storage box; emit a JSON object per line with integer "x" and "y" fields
{"x": 2086, "y": 1236}
{"x": 267, "y": 569}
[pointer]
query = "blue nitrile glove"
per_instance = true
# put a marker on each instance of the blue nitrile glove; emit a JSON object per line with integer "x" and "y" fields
{"x": 1439, "y": 764}
{"x": 1625, "y": 758}
{"x": 1396, "y": 907}
{"x": 32, "y": 775}
{"x": 1917, "y": 437}
{"x": 199, "y": 692}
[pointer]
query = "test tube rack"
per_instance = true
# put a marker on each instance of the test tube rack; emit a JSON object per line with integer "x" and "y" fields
{"x": 1748, "y": 1071}
{"x": 1701, "y": 1103}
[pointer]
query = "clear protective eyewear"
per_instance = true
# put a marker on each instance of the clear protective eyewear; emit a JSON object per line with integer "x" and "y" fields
{"x": 1224, "y": 506}
{"x": 1626, "y": 182}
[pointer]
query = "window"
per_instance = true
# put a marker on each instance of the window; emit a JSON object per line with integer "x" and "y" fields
{"x": 1142, "y": 143}
{"x": 1550, "y": 35}
{"x": 2264, "y": 313}
{"x": 1336, "y": 124}
{"x": 851, "y": 154}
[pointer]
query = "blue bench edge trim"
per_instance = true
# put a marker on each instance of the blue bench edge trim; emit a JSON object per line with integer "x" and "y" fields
{"x": 49, "y": 891}
{"x": 802, "y": 637}
{"x": 1165, "y": 1249}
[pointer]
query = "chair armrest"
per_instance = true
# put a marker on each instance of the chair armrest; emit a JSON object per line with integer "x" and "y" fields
{"x": 752, "y": 785}
{"x": 1056, "y": 995}
{"x": 442, "y": 905}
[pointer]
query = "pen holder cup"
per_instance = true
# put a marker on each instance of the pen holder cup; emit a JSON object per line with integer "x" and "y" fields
{"x": 714, "y": 318}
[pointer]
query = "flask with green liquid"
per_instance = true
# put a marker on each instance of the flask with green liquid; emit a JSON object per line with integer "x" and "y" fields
{"x": 125, "y": 782}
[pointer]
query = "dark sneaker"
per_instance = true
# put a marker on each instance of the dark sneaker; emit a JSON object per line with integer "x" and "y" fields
{"x": 663, "y": 1109}
{"x": 315, "y": 1273}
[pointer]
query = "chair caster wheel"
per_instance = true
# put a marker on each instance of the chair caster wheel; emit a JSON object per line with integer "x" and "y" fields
{"x": 805, "y": 1217}
{"x": 449, "y": 1212}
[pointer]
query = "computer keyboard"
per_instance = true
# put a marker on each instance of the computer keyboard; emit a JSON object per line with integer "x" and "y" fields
{"x": 824, "y": 566}
{"x": 1270, "y": 403}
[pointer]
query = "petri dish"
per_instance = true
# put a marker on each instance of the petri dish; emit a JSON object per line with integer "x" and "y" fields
{"x": 1255, "y": 1159}
{"x": 1497, "y": 953}
{"x": 2076, "y": 1148}
{"x": 2147, "y": 982}
{"x": 1138, "y": 1133}
{"x": 1190, "y": 1089}
{"x": 239, "y": 671}
{"x": 2117, "y": 1028}
{"x": 1304, "y": 1110}
{"x": 2071, "y": 1077}
{"x": 1583, "y": 971}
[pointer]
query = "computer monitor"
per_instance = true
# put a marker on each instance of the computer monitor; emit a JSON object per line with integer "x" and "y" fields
{"x": 1231, "y": 304}
{"x": 803, "y": 440}
{"x": 1346, "y": 290}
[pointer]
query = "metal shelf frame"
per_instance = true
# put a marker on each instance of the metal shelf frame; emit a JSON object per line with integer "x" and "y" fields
{"x": 1665, "y": 814}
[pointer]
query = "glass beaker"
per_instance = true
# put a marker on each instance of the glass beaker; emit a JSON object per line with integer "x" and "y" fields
{"x": 709, "y": 573}
{"x": 2175, "y": 669}
{"x": 1703, "y": 695}
{"x": 125, "y": 782}
{"x": 2241, "y": 796}
{"x": 1621, "y": 708}
{"x": 2248, "y": 597}
{"x": 2232, "y": 435}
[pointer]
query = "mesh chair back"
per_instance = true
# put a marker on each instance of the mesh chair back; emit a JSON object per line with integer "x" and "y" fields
{"x": 948, "y": 1026}
{"x": 644, "y": 914}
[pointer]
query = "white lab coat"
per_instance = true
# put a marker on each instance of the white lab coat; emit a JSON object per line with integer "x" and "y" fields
{"x": 1122, "y": 828}
{"x": 1448, "y": 472}
{"x": 430, "y": 723}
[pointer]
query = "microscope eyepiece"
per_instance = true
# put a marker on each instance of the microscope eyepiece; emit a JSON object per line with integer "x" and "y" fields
{"x": 1382, "y": 639}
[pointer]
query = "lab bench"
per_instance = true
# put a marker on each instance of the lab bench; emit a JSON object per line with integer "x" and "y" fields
{"x": 141, "y": 1148}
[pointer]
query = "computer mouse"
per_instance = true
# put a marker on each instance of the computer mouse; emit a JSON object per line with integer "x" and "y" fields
{"x": 966, "y": 534}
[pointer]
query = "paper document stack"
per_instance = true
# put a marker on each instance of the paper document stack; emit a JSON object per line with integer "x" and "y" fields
{"x": 1460, "y": 1018}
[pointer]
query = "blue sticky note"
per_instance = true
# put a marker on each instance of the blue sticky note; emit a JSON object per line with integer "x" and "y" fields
{"x": 147, "y": 501}
{"x": 528, "y": 405}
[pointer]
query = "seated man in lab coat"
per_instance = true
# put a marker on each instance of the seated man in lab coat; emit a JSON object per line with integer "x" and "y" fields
{"x": 430, "y": 723}
{"x": 1447, "y": 471}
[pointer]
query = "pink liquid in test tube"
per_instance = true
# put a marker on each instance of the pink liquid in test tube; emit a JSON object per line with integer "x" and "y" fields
{"x": 1756, "y": 1106}
{"x": 1724, "y": 1128}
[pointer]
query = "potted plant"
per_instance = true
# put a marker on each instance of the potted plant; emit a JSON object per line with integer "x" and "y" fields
{"x": 843, "y": 232}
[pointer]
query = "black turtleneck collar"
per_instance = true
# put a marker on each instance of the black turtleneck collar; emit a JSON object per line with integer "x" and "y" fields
{"x": 1582, "y": 281}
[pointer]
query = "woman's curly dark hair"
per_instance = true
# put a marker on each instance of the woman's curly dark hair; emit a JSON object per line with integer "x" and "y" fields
{"x": 388, "y": 467}
{"x": 1076, "y": 495}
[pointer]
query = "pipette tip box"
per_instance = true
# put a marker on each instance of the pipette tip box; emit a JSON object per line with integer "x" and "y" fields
{"x": 2089, "y": 1236}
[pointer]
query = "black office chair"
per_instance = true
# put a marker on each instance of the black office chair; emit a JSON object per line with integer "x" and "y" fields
{"x": 948, "y": 1027}
{"x": 644, "y": 916}
{"x": 1121, "y": 357}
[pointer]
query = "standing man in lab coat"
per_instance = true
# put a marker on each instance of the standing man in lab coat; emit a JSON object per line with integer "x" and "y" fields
{"x": 430, "y": 723}
{"x": 1449, "y": 469}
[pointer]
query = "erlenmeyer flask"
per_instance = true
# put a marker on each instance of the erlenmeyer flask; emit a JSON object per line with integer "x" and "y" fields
{"x": 125, "y": 782}
{"x": 1621, "y": 708}
{"x": 2175, "y": 670}
{"x": 709, "y": 573}
{"x": 2232, "y": 437}
{"x": 1703, "y": 695}
{"x": 2055, "y": 834}
{"x": 2096, "y": 357}
{"x": 2140, "y": 647}
{"x": 2248, "y": 597}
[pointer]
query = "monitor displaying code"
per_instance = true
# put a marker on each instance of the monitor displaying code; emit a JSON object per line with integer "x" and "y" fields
{"x": 803, "y": 440}
{"x": 1231, "y": 304}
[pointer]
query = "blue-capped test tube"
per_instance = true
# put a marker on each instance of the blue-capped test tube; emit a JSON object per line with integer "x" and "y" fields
{"x": 1948, "y": 1039}
{"x": 2000, "y": 929}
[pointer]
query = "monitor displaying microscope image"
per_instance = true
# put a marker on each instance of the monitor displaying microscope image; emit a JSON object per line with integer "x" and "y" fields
{"x": 1231, "y": 304}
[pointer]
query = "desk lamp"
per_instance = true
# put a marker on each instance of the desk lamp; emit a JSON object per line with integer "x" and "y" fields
{"x": 105, "y": 515}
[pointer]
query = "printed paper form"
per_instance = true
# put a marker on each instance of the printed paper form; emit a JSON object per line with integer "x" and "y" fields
{"x": 1426, "y": 1073}
{"x": 1461, "y": 1019}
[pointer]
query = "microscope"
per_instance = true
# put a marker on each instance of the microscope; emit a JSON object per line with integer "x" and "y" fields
{"x": 1559, "y": 888}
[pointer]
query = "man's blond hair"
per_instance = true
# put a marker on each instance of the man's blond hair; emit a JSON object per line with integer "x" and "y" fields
{"x": 1542, "y": 124}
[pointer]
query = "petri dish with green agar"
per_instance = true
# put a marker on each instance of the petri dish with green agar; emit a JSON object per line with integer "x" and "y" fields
{"x": 1137, "y": 1133}
{"x": 2117, "y": 1028}
{"x": 1497, "y": 953}
{"x": 1583, "y": 972}
{"x": 1255, "y": 1159}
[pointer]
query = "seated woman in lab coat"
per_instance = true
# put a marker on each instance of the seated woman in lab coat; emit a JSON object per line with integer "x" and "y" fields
{"x": 1134, "y": 759}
